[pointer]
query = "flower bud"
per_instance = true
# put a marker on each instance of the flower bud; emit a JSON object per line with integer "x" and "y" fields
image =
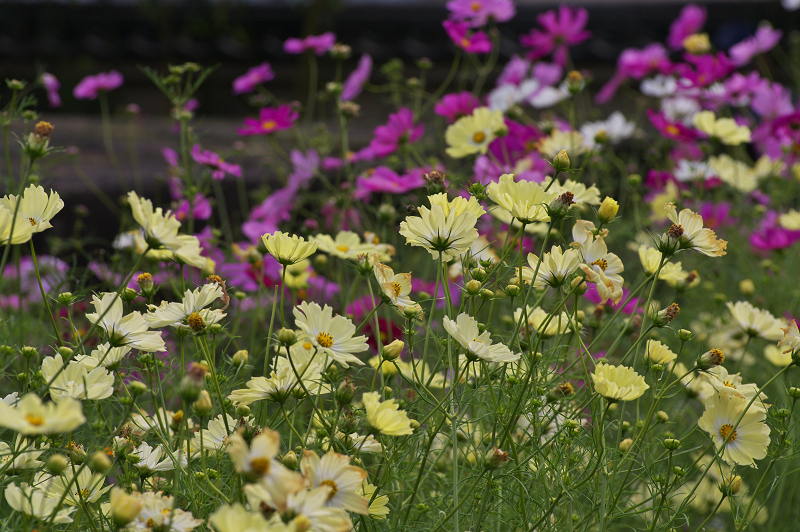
{"x": 473, "y": 287}
{"x": 601, "y": 137}
{"x": 684, "y": 335}
{"x": 203, "y": 405}
{"x": 65, "y": 352}
{"x": 290, "y": 460}
{"x": 561, "y": 161}
{"x": 346, "y": 392}
{"x": 608, "y": 210}
{"x": 176, "y": 420}
{"x": 99, "y": 462}
{"x": 478, "y": 273}
{"x": 387, "y": 213}
{"x": 662, "y": 417}
{"x": 665, "y": 316}
{"x": 77, "y": 454}
{"x": 128, "y": 295}
{"x": 710, "y": 359}
{"x": 487, "y": 294}
{"x": 340, "y": 51}
{"x": 146, "y": 285}
{"x": 731, "y": 484}
{"x": 287, "y": 337}
{"x": 124, "y": 508}
{"x": 625, "y": 426}
{"x": 578, "y": 284}
{"x": 671, "y": 444}
{"x": 512, "y": 290}
{"x": 393, "y": 350}
{"x": 29, "y": 351}
{"x": 137, "y": 388}
{"x": 240, "y": 357}
{"x": 57, "y": 464}
{"x": 242, "y": 410}
{"x": 575, "y": 82}
{"x": 625, "y": 445}
{"x": 794, "y": 392}
{"x": 495, "y": 458}
{"x": 65, "y": 298}
{"x": 192, "y": 383}
{"x": 747, "y": 287}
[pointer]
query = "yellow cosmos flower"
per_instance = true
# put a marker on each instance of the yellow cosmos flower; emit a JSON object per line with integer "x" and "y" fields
{"x": 688, "y": 228}
{"x": 555, "y": 267}
{"x": 333, "y": 335}
{"x": 36, "y": 206}
{"x": 618, "y": 383}
{"x": 571, "y": 141}
{"x": 288, "y": 249}
{"x": 379, "y": 508}
{"x": 235, "y": 518}
{"x": 603, "y": 269}
{"x": 31, "y": 416}
{"x": 473, "y": 134}
{"x": 385, "y": 416}
{"x": 464, "y": 330}
{"x": 791, "y": 338}
{"x": 725, "y": 130}
{"x": 744, "y": 443}
{"x": 657, "y": 353}
{"x": 525, "y": 200}
{"x": 790, "y": 220}
{"x": 348, "y": 245}
{"x": 755, "y": 321}
{"x": 446, "y": 230}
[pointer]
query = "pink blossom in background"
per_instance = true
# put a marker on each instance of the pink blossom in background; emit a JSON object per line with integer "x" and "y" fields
{"x": 436, "y": 290}
{"x": 629, "y": 308}
{"x": 252, "y": 78}
{"x": 547, "y": 74}
{"x": 708, "y": 68}
{"x": 334, "y": 163}
{"x": 454, "y": 106}
{"x": 200, "y": 208}
{"x": 763, "y": 41}
{"x": 690, "y": 21}
{"x": 771, "y": 101}
{"x": 520, "y": 141}
{"x": 270, "y": 120}
{"x": 384, "y": 179}
{"x": 476, "y": 42}
{"x": 770, "y": 236}
{"x": 192, "y": 104}
{"x": 738, "y": 89}
{"x": 716, "y": 216}
{"x": 515, "y": 71}
{"x": 51, "y": 86}
{"x": 560, "y": 30}
{"x": 636, "y": 64}
{"x": 91, "y": 86}
{"x": 671, "y": 130}
{"x": 354, "y": 83}
{"x": 171, "y": 156}
{"x": 53, "y": 272}
{"x": 319, "y": 44}
{"x": 478, "y": 12}
{"x": 398, "y": 131}
{"x": 215, "y": 163}
{"x": 338, "y": 219}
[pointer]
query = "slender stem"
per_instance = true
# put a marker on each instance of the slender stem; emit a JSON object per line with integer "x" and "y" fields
{"x": 44, "y": 295}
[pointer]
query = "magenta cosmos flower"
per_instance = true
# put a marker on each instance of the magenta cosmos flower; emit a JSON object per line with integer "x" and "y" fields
{"x": 383, "y": 179}
{"x": 319, "y": 44}
{"x": 51, "y": 85}
{"x": 560, "y": 30}
{"x": 454, "y": 106}
{"x": 763, "y": 41}
{"x": 399, "y": 130}
{"x": 91, "y": 86}
{"x": 215, "y": 163}
{"x": 270, "y": 120}
{"x": 475, "y": 42}
{"x": 636, "y": 64}
{"x": 689, "y": 22}
{"x": 252, "y": 78}
{"x": 671, "y": 130}
{"x": 478, "y": 12}
{"x": 354, "y": 83}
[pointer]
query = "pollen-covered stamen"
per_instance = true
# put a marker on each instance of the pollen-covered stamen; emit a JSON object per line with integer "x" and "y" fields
{"x": 675, "y": 231}
{"x": 396, "y": 288}
{"x": 478, "y": 137}
{"x": 333, "y": 486}
{"x": 32, "y": 221}
{"x": 324, "y": 339}
{"x": 343, "y": 249}
{"x": 672, "y": 311}
{"x": 260, "y": 465}
{"x": 725, "y": 430}
{"x": 718, "y": 356}
{"x": 195, "y": 321}
{"x": 33, "y": 419}
{"x": 729, "y": 384}
{"x": 602, "y": 263}
{"x": 567, "y": 198}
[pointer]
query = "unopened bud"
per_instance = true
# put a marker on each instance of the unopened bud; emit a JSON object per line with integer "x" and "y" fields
{"x": 242, "y": 410}
{"x": 579, "y": 286}
{"x": 137, "y": 388}
{"x": 128, "y": 295}
{"x": 65, "y": 298}
{"x": 290, "y": 460}
{"x": 146, "y": 284}
{"x": 346, "y": 392}
{"x": 393, "y": 350}
{"x": 57, "y": 464}
{"x": 667, "y": 315}
{"x": 684, "y": 335}
{"x": 671, "y": 444}
{"x": 65, "y": 352}
{"x": 710, "y": 359}
{"x": 176, "y": 420}
{"x": 561, "y": 161}
{"x": 608, "y": 210}
{"x": 575, "y": 82}
{"x": 495, "y": 458}
{"x": 794, "y": 392}
{"x": 730, "y": 485}
{"x": 625, "y": 445}
{"x": 478, "y": 273}
{"x": 287, "y": 337}
{"x": 29, "y": 351}
{"x": 512, "y": 290}
{"x": 662, "y": 417}
{"x": 473, "y": 287}
{"x": 240, "y": 357}
{"x": 99, "y": 462}
{"x": 747, "y": 287}
{"x": 203, "y": 405}
{"x": 487, "y": 294}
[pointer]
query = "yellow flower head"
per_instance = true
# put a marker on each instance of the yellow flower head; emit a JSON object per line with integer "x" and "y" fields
{"x": 525, "y": 200}
{"x": 288, "y": 249}
{"x": 385, "y": 416}
{"x": 725, "y": 130}
{"x": 618, "y": 383}
{"x": 473, "y": 134}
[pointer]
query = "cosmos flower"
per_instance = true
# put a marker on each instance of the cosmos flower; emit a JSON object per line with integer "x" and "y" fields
{"x": 51, "y": 86}
{"x": 464, "y": 330}
{"x": 473, "y": 42}
{"x": 32, "y": 417}
{"x": 398, "y": 131}
{"x": 90, "y": 87}
{"x": 270, "y": 120}
{"x": 478, "y": 12}
{"x": 618, "y": 383}
{"x": 130, "y": 330}
{"x": 252, "y": 78}
{"x": 333, "y": 335}
{"x": 384, "y": 416}
{"x": 454, "y": 106}
{"x": 354, "y": 83}
{"x": 473, "y": 134}
{"x": 215, "y": 163}
{"x": 746, "y": 443}
{"x": 334, "y": 470}
{"x": 560, "y": 30}
{"x": 36, "y": 206}
{"x": 319, "y": 44}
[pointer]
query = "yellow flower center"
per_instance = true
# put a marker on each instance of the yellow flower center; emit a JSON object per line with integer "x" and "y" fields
{"x": 35, "y": 420}
{"x": 396, "y": 288}
{"x": 333, "y": 486}
{"x": 149, "y": 522}
{"x": 603, "y": 263}
{"x": 476, "y": 6}
{"x": 478, "y": 137}
{"x": 343, "y": 249}
{"x": 729, "y": 384}
{"x": 195, "y": 321}
{"x": 324, "y": 339}
{"x": 307, "y": 346}
{"x": 32, "y": 221}
{"x": 672, "y": 130}
{"x": 85, "y": 492}
{"x": 269, "y": 125}
{"x": 464, "y": 42}
{"x": 726, "y": 429}
{"x": 260, "y": 465}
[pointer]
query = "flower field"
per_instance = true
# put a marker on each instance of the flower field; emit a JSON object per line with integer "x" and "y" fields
{"x": 532, "y": 302}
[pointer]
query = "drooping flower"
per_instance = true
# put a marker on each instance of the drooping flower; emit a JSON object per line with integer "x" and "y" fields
{"x": 618, "y": 383}
{"x": 131, "y": 330}
{"x": 473, "y": 134}
{"x": 270, "y": 120}
{"x": 354, "y": 83}
{"x": 319, "y": 44}
{"x": 288, "y": 249}
{"x": 384, "y": 416}
{"x": 32, "y": 417}
{"x": 791, "y": 337}
{"x": 464, "y": 330}
{"x": 395, "y": 286}
{"x": 745, "y": 443}
{"x": 692, "y": 233}
{"x": 603, "y": 269}
{"x": 479, "y": 12}
{"x": 560, "y": 30}
{"x": 334, "y": 335}
{"x": 51, "y": 86}
{"x": 725, "y": 130}
{"x": 36, "y": 206}
{"x": 398, "y": 131}
{"x": 755, "y": 321}
{"x": 657, "y": 353}
{"x": 334, "y": 470}
{"x": 524, "y": 200}
{"x": 191, "y": 313}
{"x": 283, "y": 381}
{"x": 258, "y": 460}
{"x": 90, "y": 87}
{"x": 215, "y": 163}
{"x": 252, "y": 78}
{"x": 473, "y": 42}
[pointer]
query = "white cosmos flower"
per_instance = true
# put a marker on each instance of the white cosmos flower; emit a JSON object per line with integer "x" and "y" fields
{"x": 444, "y": 233}
{"x": 31, "y": 416}
{"x": 283, "y": 380}
{"x": 334, "y": 470}
{"x": 258, "y": 462}
{"x": 525, "y": 200}
{"x": 694, "y": 235}
{"x": 555, "y": 267}
{"x": 37, "y": 207}
{"x": 335, "y": 335}
{"x": 464, "y": 330}
{"x": 659, "y": 86}
{"x": 159, "y": 512}
{"x": 749, "y": 440}
{"x": 755, "y": 321}
{"x": 130, "y": 330}
{"x": 22, "y": 228}
{"x": 216, "y": 436}
{"x": 615, "y": 127}
{"x": 603, "y": 269}
{"x": 22, "y": 454}
{"x": 75, "y": 380}
{"x": 103, "y": 355}
{"x": 395, "y": 286}
{"x": 152, "y": 459}
{"x": 86, "y": 486}
{"x": 191, "y": 313}
{"x": 34, "y": 501}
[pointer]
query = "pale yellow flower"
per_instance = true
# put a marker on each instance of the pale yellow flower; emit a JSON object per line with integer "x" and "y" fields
{"x": 334, "y": 470}
{"x": 385, "y": 416}
{"x": 446, "y": 230}
{"x": 694, "y": 235}
{"x": 618, "y": 383}
{"x": 31, "y": 416}
{"x": 790, "y": 220}
{"x": 37, "y": 207}
{"x": 546, "y": 328}
{"x": 720, "y": 381}
{"x": 581, "y": 194}
{"x": 791, "y": 338}
{"x": 473, "y": 134}
{"x": 464, "y": 330}
{"x": 603, "y": 269}
{"x": 379, "y": 507}
{"x": 572, "y": 141}
{"x": 735, "y": 173}
{"x": 755, "y": 321}
{"x": 395, "y": 286}
{"x": 75, "y": 381}
{"x": 235, "y": 518}
{"x": 749, "y": 440}
{"x": 457, "y": 204}
{"x": 191, "y": 313}
{"x": 288, "y": 249}
{"x": 777, "y": 356}
{"x": 657, "y": 353}
{"x": 525, "y": 200}
{"x": 35, "y": 502}
{"x": 22, "y": 228}
{"x": 333, "y": 335}
{"x": 555, "y": 267}
{"x": 348, "y": 245}
{"x": 725, "y": 130}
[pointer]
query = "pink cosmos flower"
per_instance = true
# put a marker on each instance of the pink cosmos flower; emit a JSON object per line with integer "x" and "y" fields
{"x": 255, "y": 76}
{"x": 763, "y": 41}
{"x": 716, "y": 215}
{"x": 629, "y": 308}
{"x": 51, "y": 85}
{"x": 738, "y": 89}
{"x": 671, "y": 130}
{"x": 476, "y": 42}
{"x": 270, "y": 120}
{"x": 354, "y": 83}
{"x": 636, "y": 64}
{"x": 690, "y": 21}
{"x": 520, "y": 141}
{"x": 771, "y": 101}
{"x": 454, "y": 106}
{"x": 215, "y": 163}
{"x": 560, "y": 31}
{"x": 515, "y": 71}
{"x": 548, "y": 74}
{"x": 708, "y": 68}
{"x": 399, "y": 130}
{"x": 334, "y": 163}
{"x": 91, "y": 86}
{"x": 478, "y": 12}
{"x": 319, "y": 44}
{"x": 383, "y": 179}
{"x": 199, "y": 209}
{"x": 771, "y": 236}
